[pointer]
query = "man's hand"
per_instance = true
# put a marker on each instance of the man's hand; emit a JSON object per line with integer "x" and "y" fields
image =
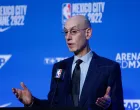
{"x": 105, "y": 101}
{"x": 24, "y": 95}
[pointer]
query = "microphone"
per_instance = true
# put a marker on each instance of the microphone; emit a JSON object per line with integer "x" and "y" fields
{"x": 59, "y": 76}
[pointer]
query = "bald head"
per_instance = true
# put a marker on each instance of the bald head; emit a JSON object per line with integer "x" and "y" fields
{"x": 79, "y": 21}
{"x": 77, "y": 33}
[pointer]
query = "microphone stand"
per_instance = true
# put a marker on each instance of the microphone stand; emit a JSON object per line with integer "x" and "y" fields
{"x": 54, "y": 93}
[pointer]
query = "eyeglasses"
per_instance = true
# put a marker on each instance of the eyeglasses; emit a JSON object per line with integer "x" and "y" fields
{"x": 72, "y": 31}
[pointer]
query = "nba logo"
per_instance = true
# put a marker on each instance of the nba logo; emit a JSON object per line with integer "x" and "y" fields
{"x": 66, "y": 12}
{"x": 58, "y": 73}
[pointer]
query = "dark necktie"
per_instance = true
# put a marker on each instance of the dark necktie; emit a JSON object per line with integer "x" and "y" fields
{"x": 76, "y": 82}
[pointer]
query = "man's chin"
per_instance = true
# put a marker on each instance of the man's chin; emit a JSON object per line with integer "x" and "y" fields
{"x": 74, "y": 51}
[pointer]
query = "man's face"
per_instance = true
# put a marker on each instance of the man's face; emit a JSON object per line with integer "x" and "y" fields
{"x": 75, "y": 36}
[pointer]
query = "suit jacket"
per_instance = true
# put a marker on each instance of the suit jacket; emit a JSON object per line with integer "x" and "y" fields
{"x": 102, "y": 73}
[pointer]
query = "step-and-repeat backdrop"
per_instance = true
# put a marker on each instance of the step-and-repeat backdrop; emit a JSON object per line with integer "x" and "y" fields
{"x": 31, "y": 41}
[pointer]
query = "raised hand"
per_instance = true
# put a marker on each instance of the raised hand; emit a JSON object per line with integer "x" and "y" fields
{"x": 104, "y": 101}
{"x": 24, "y": 95}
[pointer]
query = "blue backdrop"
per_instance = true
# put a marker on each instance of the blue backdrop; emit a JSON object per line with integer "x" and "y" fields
{"x": 31, "y": 41}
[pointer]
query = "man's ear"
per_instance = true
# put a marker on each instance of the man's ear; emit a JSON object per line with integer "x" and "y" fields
{"x": 88, "y": 33}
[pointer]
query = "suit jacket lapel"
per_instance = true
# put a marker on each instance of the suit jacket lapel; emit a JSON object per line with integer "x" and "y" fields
{"x": 91, "y": 78}
{"x": 68, "y": 81}
{"x": 69, "y": 68}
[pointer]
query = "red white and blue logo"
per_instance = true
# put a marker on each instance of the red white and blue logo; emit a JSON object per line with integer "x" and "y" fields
{"x": 66, "y": 12}
{"x": 58, "y": 73}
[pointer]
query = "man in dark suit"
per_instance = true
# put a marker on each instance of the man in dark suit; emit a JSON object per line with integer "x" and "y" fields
{"x": 89, "y": 81}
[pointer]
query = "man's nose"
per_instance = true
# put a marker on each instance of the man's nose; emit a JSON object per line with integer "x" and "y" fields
{"x": 68, "y": 36}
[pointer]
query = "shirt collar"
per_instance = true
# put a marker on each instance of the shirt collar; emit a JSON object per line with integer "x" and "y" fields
{"x": 84, "y": 58}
